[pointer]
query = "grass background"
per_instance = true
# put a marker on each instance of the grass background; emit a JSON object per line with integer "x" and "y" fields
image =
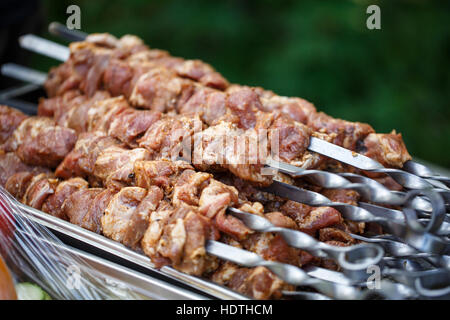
{"x": 397, "y": 77}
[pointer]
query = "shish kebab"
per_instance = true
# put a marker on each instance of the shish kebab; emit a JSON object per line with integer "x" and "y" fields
{"x": 68, "y": 113}
{"x": 106, "y": 110}
{"x": 209, "y": 73}
{"x": 85, "y": 206}
{"x": 53, "y": 206}
{"x": 70, "y": 186}
{"x": 350, "y": 135}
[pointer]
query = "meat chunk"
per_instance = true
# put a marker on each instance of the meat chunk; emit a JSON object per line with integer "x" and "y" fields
{"x": 81, "y": 160}
{"x": 103, "y": 112}
{"x": 159, "y": 90}
{"x": 208, "y": 104}
{"x": 388, "y": 149}
{"x": 77, "y": 205}
{"x": 189, "y": 186}
{"x": 290, "y": 138}
{"x": 10, "y": 119}
{"x": 115, "y": 165}
{"x": 92, "y": 219}
{"x": 11, "y": 164}
{"x": 258, "y": 282}
{"x": 40, "y": 188}
{"x": 18, "y": 183}
{"x": 131, "y": 124}
{"x": 54, "y": 203}
{"x": 202, "y": 72}
{"x": 126, "y": 217}
{"x": 177, "y": 236}
{"x": 347, "y": 134}
{"x": 38, "y": 141}
{"x": 214, "y": 201}
{"x": 169, "y": 137}
{"x": 160, "y": 173}
{"x": 319, "y": 218}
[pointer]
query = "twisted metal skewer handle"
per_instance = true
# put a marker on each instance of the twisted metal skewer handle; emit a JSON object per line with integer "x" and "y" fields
{"x": 296, "y": 276}
{"x": 424, "y": 172}
{"x": 354, "y": 260}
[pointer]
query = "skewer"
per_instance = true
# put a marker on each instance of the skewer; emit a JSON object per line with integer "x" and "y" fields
{"x": 404, "y": 178}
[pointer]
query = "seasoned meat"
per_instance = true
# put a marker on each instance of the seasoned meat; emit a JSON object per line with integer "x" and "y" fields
{"x": 96, "y": 210}
{"x": 177, "y": 236}
{"x": 168, "y": 137}
{"x": 40, "y": 188}
{"x": 38, "y": 141}
{"x": 77, "y": 205}
{"x": 115, "y": 165}
{"x": 11, "y": 164}
{"x": 388, "y": 149}
{"x": 126, "y": 217}
{"x": 189, "y": 186}
{"x": 161, "y": 173}
{"x": 10, "y": 119}
{"x": 54, "y": 203}
{"x": 81, "y": 160}
{"x": 102, "y": 113}
{"x": 319, "y": 218}
{"x": 18, "y": 183}
{"x": 258, "y": 282}
{"x": 348, "y": 134}
{"x": 131, "y": 124}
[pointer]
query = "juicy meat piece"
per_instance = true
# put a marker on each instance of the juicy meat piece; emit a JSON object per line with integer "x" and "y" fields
{"x": 170, "y": 137}
{"x": 115, "y": 165}
{"x": 342, "y": 195}
{"x": 159, "y": 89}
{"x": 290, "y": 138}
{"x": 296, "y": 109}
{"x": 388, "y": 149}
{"x": 202, "y": 72}
{"x": 243, "y": 105}
{"x": 38, "y": 141}
{"x": 40, "y": 188}
{"x": 189, "y": 186}
{"x": 81, "y": 160}
{"x": 295, "y": 210}
{"x": 348, "y": 134}
{"x": 54, "y": 203}
{"x": 117, "y": 78}
{"x": 77, "y": 117}
{"x": 177, "y": 236}
{"x": 132, "y": 124}
{"x": 92, "y": 219}
{"x": 59, "y": 106}
{"x": 227, "y": 146}
{"x": 281, "y": 220}
{"x": 207, "y": 103}
{"x": 61, "y": 79}
{"x": 319, "y": 218}
{"x": 10, "y": 119}
{"x": 258, "y": 282}
{"x": 11, "y": 164}
{"x": 126, "y": 217}
{"x": 333, "y": 234}
{"x": 160, "y": 173}
{"x": 103, "y": 112}
{"x": 77, "y": 205}
{"x": 18, "y": 183}
{"x": 213, "y": 203}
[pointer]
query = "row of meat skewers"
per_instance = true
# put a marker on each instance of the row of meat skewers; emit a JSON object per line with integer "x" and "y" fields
{"x": 117, "y": 120}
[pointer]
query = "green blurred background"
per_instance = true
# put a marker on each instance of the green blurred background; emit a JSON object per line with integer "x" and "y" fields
{"x": 394, "y": 78}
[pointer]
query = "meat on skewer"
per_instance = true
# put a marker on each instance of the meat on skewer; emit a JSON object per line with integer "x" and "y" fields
{"x": 149, "y": 81}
